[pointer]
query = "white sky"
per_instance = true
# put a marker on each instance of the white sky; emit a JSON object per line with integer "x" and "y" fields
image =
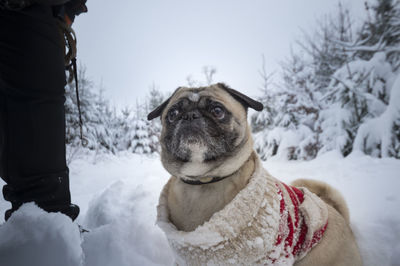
{"x": 127, "y": 45}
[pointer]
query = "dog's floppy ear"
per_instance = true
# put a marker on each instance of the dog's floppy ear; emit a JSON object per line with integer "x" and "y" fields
{"x": 158, "y": 111}
{"x": 243, "y": 99}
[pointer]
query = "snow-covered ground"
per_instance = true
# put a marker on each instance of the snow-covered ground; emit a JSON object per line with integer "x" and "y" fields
{"x": 118, "y": 198}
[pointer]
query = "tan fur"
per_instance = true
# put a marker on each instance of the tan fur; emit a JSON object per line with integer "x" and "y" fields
{"x": 337, "y": 247}
{"x": 327, "y": 193}
{"x": 190, "y": 206}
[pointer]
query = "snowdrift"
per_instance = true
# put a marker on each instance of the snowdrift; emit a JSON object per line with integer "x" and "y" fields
{"x": 118, "y": 197}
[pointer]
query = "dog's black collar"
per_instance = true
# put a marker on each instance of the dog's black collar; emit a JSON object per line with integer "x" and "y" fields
{"x": 198, "y": 182}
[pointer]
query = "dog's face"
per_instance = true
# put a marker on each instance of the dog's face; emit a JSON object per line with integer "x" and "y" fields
{"x": 204, "y": 129}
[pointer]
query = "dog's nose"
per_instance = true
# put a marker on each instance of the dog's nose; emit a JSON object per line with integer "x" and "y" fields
{"x": 191, "y": 115}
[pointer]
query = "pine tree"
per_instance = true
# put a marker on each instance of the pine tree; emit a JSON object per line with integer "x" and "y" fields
{"x": 379, "y": 41}
{"x": 337, "y": 90}
{"x": 140, "y": 137}
{"x": 323, "y": 47}
{"x": 380, "y": 136}
{"x": 382, "y": 30}
{"x": 105, "y": 124}
{"x": 265, "y": 119}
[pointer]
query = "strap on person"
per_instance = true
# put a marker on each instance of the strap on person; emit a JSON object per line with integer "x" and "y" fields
{"x": 66, "y": 14}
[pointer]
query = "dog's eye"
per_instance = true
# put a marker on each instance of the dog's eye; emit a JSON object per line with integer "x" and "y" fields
{"x": 218, "y": 112}
{"x": 172, "y": 114}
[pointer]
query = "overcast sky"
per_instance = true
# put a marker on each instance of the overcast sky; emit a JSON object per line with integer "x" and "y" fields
{"x": 127, "y": 45}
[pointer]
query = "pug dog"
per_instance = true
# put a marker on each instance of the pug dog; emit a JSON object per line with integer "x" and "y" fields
{"x": 221, "y": 207}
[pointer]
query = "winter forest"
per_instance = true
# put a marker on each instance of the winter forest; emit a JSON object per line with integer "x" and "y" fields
{"x": 331, "y": 113}
{"x": 339, "y": 89}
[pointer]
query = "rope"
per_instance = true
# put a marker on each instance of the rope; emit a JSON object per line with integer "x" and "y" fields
{"x": 83, "y": 140}
{"x": 70, "y": 64}
{"x": 70, "y": 41}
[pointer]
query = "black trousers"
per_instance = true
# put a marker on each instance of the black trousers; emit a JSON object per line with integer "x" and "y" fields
{"x": 32, "y": 115}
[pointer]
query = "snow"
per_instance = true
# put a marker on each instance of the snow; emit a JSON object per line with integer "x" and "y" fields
{"x": 377, "y": 131}
{"x": 118, "y": 198}
{"x": 34, "y": 237}
{"x": 334, "y": 122}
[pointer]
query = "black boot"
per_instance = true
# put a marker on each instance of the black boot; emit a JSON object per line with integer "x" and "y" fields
{"x": 50, "y": 192}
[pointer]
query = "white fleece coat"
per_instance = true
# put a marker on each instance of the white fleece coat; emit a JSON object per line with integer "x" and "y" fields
{"x": 267, "y": 223}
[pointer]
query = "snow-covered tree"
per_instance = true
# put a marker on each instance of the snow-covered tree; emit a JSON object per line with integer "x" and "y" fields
{"x": 360, "y": 92}
{"x": 380, "y": 136}
{"x": 357, "y": 92}
{"x": 336, "y": 89}
{"x": 265, "y": 118}
{"x": 141, "y": 140}
{"x": 105, "y": 129}
{"x": 291, "y": 131}
{"x": 105, "y": 124}
{"x": 381, "y": 31}
{"x": 323, "y": 47}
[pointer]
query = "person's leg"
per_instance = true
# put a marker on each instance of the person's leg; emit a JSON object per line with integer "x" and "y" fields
{"x": 32, "y": 80}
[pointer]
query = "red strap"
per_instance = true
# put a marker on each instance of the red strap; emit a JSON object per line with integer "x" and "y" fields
{"x": 67, "y": 20}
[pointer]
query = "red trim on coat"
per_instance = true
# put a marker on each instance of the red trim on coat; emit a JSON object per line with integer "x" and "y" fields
{"x": 287, "y": 230}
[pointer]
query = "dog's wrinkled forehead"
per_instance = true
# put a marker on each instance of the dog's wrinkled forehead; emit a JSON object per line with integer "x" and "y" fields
{"x": 194, "y": 95}
{"x": 233, "y": 100}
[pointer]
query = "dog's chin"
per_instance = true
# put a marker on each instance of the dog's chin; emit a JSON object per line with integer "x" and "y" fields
{"x": 190, "y": 155}
{"x": 194, "y": 165}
